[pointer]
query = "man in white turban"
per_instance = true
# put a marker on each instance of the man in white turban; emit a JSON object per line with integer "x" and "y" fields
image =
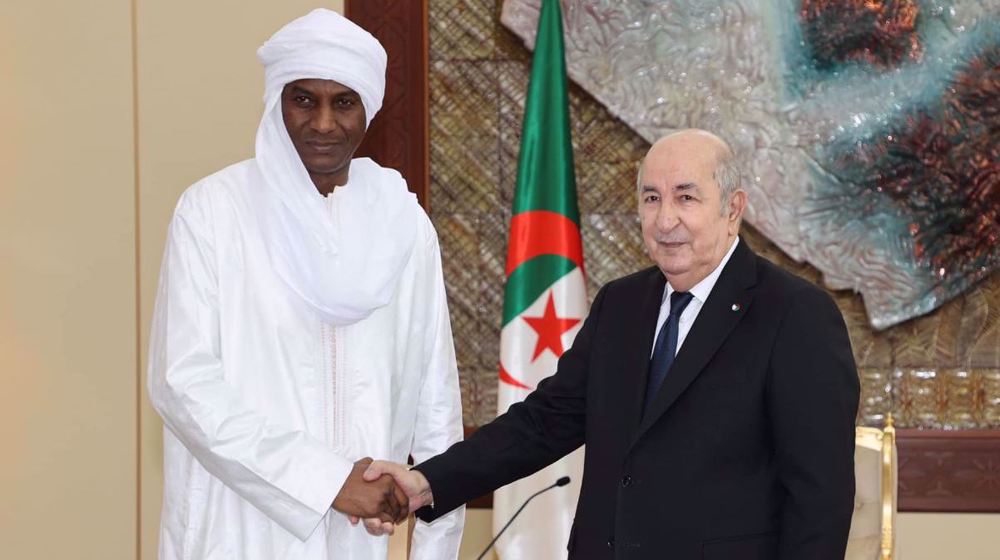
{"x": 301, "y": 326}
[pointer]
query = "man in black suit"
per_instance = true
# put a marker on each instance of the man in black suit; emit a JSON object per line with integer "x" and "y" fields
{"x": 716, "y": 394}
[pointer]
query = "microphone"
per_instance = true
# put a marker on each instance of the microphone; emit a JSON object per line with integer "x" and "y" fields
{"x": 563, "y": 481}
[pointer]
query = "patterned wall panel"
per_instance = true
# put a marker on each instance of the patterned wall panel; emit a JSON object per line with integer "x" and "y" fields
{"x": 938, "y": 371}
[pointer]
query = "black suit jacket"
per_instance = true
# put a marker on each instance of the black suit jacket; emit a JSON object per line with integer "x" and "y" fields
{"x": 746, "y": 452}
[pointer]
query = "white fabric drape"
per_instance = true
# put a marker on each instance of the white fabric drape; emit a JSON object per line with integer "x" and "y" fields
{"x": 343, "y": 264}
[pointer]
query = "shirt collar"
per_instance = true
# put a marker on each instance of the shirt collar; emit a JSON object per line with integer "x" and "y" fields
{"x": 702, "y": 289}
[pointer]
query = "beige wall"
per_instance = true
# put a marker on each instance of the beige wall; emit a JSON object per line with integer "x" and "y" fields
{"x": 67, "y": 281}
{"x": 942, "y": 536}
{"x": 109, "y": 109}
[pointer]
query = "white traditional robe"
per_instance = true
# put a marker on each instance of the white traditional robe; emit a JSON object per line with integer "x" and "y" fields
{"x": 266, "y": 407}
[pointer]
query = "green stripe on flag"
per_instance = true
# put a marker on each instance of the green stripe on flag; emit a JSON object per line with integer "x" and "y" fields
{"x": 530, "y": 280}
{"x": 545, "y": 179}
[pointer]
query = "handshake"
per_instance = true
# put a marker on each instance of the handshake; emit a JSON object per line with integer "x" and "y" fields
{"x": 381, "y": 494}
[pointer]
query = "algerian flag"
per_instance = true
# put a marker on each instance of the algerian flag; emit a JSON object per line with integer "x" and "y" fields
{"x": 545, "y": 300}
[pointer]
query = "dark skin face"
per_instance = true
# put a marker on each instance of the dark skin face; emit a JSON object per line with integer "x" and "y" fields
{"x": 326, "y": 122}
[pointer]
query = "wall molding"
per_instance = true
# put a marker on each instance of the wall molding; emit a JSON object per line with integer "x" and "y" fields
{"x": 949, "y": 470}
{"x": 398, "y": 137}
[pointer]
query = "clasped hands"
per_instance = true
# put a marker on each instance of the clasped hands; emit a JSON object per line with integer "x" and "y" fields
{"x": 382, "y": 494}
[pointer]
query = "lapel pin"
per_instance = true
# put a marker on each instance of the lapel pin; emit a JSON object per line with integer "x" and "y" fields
{"x": 736, "y": 307}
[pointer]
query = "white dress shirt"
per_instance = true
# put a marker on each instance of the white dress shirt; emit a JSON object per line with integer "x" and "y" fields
{"x": 700, "y": 293}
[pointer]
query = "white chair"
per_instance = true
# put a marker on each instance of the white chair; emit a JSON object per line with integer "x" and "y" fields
{"x": 872, "y": 535}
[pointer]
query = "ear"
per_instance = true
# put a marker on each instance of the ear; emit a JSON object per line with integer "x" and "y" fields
{"x": 734, "y": 214}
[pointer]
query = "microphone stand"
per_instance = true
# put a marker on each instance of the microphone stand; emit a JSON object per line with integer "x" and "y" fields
{"x": 561, "y": 482}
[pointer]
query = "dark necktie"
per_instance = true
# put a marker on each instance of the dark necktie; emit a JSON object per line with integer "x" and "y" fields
{"x": 666, "y": 346}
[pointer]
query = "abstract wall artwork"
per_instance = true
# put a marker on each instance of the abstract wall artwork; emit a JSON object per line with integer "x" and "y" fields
{"x": 868, "y": 129}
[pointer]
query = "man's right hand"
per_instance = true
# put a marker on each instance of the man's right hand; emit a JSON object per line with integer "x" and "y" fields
{"x": 372, "y": 497}
{"x": 413, "y": 483}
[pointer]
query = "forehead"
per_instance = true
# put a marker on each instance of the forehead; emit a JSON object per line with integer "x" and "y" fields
{"x": 680, "y": 161}
{"x": 318, "y": 86}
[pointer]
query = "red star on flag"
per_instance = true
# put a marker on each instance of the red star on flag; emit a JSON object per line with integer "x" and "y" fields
{"x": 550, "y": 329}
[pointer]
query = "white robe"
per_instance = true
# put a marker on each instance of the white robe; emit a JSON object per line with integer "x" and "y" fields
{"x": 266, "y": 408}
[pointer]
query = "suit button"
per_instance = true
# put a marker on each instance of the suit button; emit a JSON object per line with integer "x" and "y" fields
{"x": 611, "y": 543}
{"x": 626, "y": 481}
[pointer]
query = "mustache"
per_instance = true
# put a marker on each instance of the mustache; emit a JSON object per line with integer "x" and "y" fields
{"x": 332, "y": 137}
{"x": 670, "y": 238}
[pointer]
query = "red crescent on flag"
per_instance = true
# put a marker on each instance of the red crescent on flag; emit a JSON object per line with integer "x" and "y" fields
{"x": 541, "y": 232}
{"x": 508, "y": 379}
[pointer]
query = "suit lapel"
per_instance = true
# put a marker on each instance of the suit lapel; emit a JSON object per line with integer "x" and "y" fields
{"x": 715, "y": 322}
{"x": 638, "y": 345}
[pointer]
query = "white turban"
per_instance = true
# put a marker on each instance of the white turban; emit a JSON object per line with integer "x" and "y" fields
{"x": 342, "y": 255}
{"x": 325, "y": 45}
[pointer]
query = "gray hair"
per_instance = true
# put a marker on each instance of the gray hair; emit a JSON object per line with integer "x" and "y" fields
{"x": 726, "y": 174}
